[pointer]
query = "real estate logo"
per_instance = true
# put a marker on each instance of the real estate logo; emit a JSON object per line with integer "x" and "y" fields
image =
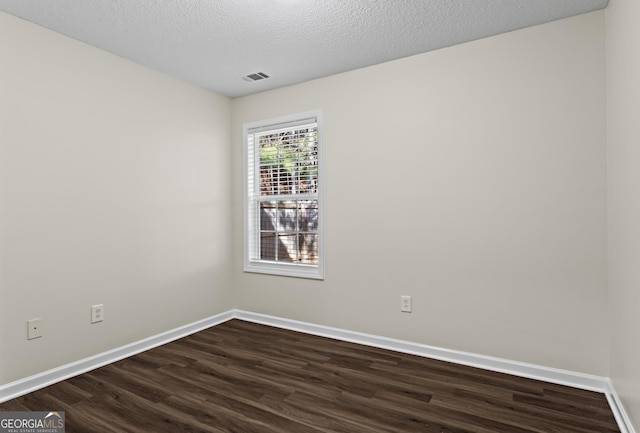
{"x": 32, "y": 422}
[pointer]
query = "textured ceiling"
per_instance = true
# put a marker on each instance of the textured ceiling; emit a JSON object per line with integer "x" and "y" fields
{"x": 214, "y": 43}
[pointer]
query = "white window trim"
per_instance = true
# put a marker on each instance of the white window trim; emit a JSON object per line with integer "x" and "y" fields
{"x": 273, "y": 268}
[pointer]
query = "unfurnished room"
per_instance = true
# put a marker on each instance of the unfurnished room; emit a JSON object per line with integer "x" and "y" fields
{"x": 319, "y": 216}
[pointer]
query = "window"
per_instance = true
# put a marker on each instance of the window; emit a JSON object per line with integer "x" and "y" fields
{"x": 283, "y": 208}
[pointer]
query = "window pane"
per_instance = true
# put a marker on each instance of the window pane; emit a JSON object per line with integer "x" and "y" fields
{"x": 288, "y": 231}
{"x": 287, "y": 251}
{"x": 268, "y": 215}
{"x": 268, "y": 246}
{"x": 287, "y": 215}
{"x": 308, "y": 215}
{"x": 308, "y": 248}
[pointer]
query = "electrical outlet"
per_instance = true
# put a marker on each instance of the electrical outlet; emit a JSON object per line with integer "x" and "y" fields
{"x": 97, "y": 313}
{"x": 405, "y": 304}
{"x": 34, "y": 328}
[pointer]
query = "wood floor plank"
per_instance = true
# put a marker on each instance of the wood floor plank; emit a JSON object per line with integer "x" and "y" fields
{"x": 514, "y": 414}
{"x": 250, "y": 378}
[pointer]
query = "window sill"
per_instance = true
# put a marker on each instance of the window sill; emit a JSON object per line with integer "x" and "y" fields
{"x": 285, "y": 270}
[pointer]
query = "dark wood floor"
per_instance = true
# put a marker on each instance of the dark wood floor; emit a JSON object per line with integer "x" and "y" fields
{"x": 244, "y": 377}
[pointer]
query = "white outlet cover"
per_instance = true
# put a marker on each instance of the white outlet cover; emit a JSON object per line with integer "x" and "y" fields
{"x": 34, "y": 328}
{"x": 97, "y": 313}
{"x": 405, "y": 304}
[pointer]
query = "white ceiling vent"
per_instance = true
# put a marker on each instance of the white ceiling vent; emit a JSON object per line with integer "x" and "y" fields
{"x": 255, "y": 76}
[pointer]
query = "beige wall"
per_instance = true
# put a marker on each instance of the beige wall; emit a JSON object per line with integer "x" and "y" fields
{"x": 623, "y": 75}
{"x": 114, "y": 189}
{"x": 473, "y": 179}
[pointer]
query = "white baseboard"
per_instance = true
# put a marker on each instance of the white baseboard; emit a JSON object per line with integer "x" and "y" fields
{"x": 547, "y": 374}
{"x": 532, "y": 371}
{"x": 621, "y": 415}
{"x": 49, "y": 377}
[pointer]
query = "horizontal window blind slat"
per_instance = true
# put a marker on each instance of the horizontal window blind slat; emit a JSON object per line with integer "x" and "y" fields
{"x": 286, "y": 197}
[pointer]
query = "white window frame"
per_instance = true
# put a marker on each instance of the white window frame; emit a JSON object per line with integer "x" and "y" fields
{"x": 250, "y": 227}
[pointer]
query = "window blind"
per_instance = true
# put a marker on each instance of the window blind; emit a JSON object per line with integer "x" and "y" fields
{"x": 283, "y": 192}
